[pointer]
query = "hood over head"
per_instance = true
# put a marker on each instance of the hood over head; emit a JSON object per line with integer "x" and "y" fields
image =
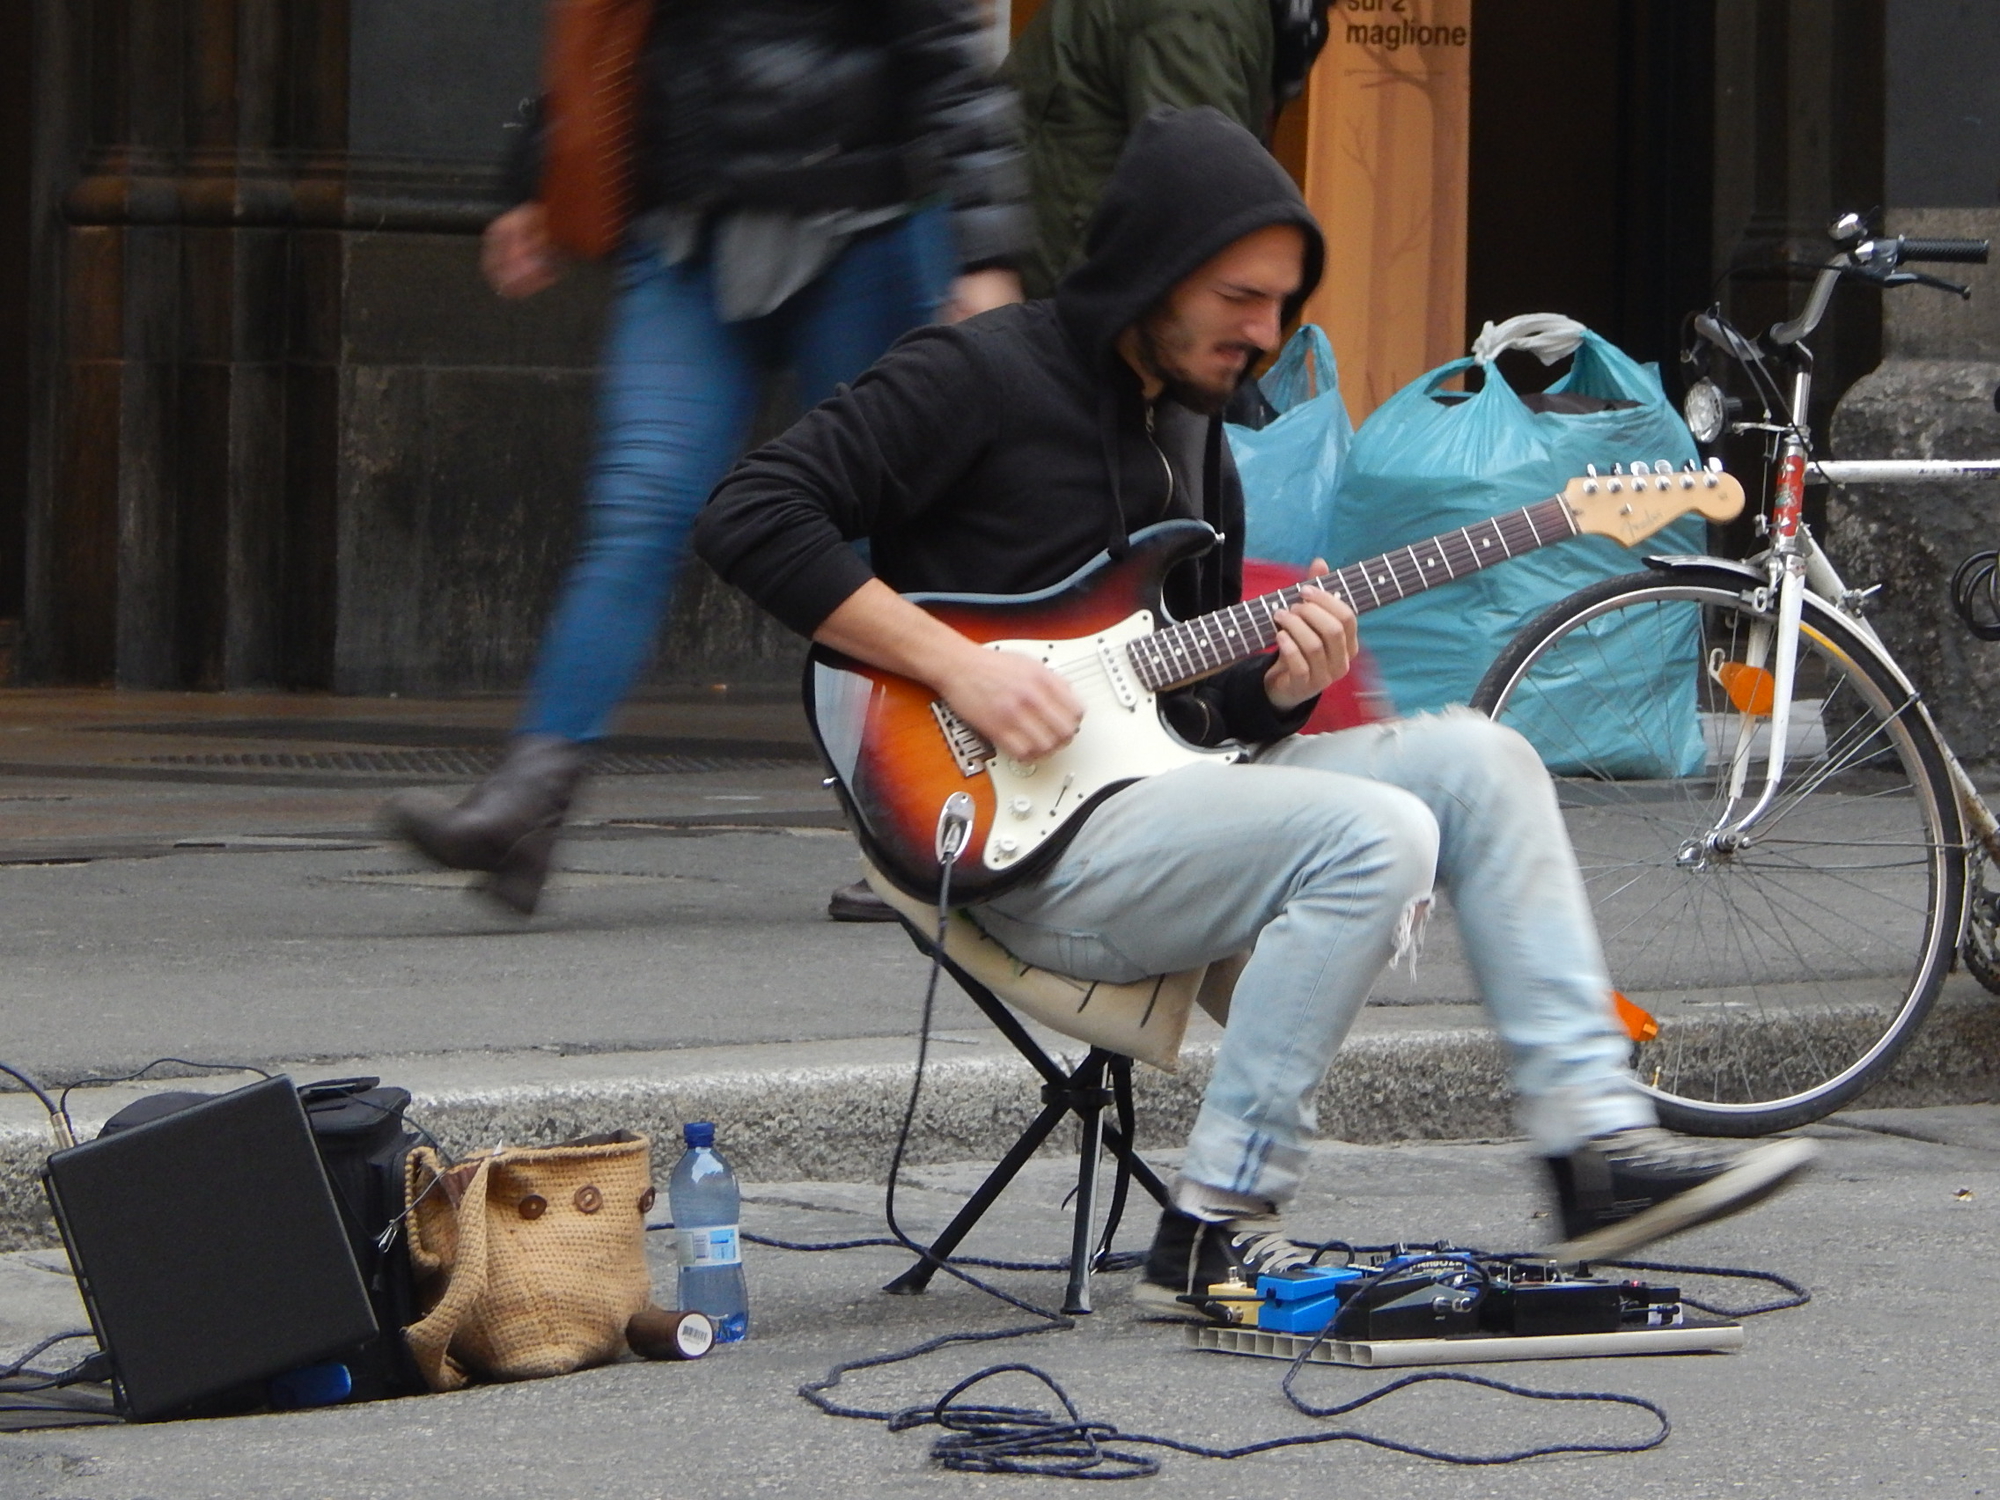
{"x": 1190, "y": 183}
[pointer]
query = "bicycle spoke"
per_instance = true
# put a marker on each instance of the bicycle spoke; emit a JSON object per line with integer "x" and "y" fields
{"x": 1827, "y": 930}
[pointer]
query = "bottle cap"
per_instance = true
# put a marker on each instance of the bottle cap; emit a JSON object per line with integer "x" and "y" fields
{"x": 698, "y": 1133}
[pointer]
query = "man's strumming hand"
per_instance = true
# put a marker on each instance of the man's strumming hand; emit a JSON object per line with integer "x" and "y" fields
{"x": 1022, "y": 708}
{"x": 1316, "y": 644}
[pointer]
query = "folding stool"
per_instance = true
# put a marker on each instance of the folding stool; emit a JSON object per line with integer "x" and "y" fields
{"x": 1122, "y": 1023}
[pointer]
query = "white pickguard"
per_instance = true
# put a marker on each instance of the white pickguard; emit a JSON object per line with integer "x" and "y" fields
{"x": 1122, "y": 739}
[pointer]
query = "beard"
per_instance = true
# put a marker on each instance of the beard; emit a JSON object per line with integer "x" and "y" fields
{"x": 1165, "y": 345}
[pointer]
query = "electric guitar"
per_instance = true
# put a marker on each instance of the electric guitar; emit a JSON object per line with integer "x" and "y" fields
{"x": 898, "y": 753}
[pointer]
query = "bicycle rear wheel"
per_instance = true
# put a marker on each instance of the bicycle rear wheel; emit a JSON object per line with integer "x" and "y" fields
{"x": 1786, "y": 975}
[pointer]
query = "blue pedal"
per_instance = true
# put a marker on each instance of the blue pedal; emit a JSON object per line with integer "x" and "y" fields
{"x": 1304, "y": 1301}
{"x": 1307, "y": 1284}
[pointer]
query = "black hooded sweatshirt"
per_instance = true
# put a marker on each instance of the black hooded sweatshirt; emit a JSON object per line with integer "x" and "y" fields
{"x": 999, "y": 455}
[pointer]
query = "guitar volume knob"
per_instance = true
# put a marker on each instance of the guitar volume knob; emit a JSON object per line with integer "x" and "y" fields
{"x": 1009, "y": 847}
{"x": 1020, "y": 807}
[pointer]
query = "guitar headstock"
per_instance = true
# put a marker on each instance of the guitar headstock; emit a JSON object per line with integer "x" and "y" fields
{"x": 1630, "y": 505}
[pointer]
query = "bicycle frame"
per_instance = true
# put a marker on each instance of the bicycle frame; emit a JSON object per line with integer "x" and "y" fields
{"x": 1794, "y": 565}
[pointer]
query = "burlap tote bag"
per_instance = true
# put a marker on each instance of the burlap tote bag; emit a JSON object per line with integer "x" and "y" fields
{"x": 530, "y": 1261}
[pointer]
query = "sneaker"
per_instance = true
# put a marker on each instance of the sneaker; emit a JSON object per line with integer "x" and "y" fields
{"x": 1631, "y": 1187}
{"x": 1190, "y": 1255}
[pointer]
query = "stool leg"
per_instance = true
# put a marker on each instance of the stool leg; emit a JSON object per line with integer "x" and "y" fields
{"x": 918, "y": 1277}
{"x": 1120, "y": 1137}
{"x": 1090, "y": 1146}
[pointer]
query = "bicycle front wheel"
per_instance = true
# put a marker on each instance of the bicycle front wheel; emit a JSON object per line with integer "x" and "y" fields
{"x": 1784, "y": 975}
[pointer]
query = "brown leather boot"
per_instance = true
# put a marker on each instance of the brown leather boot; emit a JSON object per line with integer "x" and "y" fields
{"x": 506, "y": 826}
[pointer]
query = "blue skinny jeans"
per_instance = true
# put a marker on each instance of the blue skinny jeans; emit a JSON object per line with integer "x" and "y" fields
{"x": 680, "y": 390}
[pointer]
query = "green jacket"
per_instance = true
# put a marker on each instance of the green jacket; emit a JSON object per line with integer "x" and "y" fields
{"x": 1089, "y": 70}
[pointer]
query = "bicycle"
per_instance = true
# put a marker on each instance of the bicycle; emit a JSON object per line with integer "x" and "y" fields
{"x": 1767, "y": 816}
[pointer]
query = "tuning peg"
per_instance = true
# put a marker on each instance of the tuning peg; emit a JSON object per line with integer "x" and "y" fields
{"x": 1715, "y": 466}
{"x": 1690, "y": 466}
{"x": 1618, "y": 468}
{"x": 1708, "y": 479}
{"x": 1590, "y": 470}
{"x": 1663, "y": 467}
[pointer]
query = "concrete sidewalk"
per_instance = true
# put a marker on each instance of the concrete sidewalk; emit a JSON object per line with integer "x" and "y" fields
{"x": 1882, "y": 1385}
{"x": 199, "y": 877}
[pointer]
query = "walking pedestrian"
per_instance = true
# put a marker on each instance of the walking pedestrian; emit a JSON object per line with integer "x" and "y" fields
{"x": 1090, "y": 70}
{"x": 811, "y": 179}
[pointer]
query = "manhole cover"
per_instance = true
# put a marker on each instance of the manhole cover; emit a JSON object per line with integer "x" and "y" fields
{"x": 468, "y": 763}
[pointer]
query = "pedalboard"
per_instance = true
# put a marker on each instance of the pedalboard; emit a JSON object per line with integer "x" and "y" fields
{"x": 1689, "y": 1337}
{"x": 1444, "y": 1306}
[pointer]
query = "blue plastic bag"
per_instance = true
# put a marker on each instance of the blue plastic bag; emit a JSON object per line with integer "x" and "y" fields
{"x": 1292, "y": 467}
{"x": 1419, "y": 467}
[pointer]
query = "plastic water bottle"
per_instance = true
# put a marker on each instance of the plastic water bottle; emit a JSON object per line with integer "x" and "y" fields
{"x": 706, "y": 1204}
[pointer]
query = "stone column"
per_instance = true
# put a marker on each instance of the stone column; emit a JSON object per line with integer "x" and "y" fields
{"x": 1932, "y": 397}
{"x": 1934, "y": 394}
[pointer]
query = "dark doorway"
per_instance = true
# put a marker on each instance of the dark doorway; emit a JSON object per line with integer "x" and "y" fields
{"x": 1592, "y": 167}
{"x": 16, "y": 48}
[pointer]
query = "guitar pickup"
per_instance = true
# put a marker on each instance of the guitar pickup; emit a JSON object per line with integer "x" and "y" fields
{"x": 1118, "y": 672}
{"x": 967, "y": 745}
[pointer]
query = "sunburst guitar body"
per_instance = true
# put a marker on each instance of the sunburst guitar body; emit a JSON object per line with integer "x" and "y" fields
{"x": 898, "y": 753}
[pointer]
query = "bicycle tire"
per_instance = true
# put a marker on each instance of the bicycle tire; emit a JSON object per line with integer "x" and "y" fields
{"x": 1835, "y": 925}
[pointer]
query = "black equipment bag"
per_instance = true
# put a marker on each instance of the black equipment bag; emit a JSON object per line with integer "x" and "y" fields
{"x": 362, "y": 1139}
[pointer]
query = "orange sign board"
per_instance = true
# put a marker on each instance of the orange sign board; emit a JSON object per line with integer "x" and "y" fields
{"x": 1385, "y": 171}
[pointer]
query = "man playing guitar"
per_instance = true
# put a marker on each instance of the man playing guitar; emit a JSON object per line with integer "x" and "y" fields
{"x": 996, "y": 457}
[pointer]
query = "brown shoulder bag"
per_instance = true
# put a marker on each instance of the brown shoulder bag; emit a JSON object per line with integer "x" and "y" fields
{"x": 590, "y": 117}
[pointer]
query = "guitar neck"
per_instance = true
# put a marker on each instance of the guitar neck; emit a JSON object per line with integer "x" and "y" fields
{"x": 1187, "y": 652}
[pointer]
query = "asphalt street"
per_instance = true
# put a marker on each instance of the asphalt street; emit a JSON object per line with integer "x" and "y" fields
{"x": 202, "y": 877}
{"x": 1882, "y": 1385}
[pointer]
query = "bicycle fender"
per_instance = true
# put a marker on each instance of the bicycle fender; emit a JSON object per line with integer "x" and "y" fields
{"x": 1671, "y": 562}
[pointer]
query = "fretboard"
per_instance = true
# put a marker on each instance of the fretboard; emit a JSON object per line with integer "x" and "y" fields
{"x": 1183, "y": 653}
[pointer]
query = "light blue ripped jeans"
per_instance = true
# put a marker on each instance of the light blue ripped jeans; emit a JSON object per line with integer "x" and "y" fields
{"x": 1319, "y": 857}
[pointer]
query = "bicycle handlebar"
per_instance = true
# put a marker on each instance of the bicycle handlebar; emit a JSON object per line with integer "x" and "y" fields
{"x": 1877, "y": 260}
{"x": 1948, "y": 252}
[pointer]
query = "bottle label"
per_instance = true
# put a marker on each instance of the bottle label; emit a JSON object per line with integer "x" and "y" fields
{"x": 713, "y": 1246}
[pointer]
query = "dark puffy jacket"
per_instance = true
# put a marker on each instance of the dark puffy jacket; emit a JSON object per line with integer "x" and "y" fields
{"x": 821, "y": 104}
{"x": 813, "y": 105}
{"x": 1090, "y": 70}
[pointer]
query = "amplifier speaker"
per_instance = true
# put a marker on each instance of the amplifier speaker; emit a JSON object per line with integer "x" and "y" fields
{"x": 209, "y": 1251}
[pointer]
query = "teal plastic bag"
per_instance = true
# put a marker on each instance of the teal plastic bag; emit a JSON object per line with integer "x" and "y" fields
{"x": 1291, "y": 468}
{"x": 1420, "y": 466}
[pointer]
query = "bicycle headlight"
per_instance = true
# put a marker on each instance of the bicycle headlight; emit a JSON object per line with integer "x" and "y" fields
{"x": 1706, "y": 410}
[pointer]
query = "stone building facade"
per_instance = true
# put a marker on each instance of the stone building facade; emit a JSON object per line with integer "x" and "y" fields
{"x": 261, "y": 425}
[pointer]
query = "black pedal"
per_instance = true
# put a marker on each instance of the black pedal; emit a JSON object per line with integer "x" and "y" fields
{"x": 1414, "y": 1297}
{"x": 1538, "y": 1310}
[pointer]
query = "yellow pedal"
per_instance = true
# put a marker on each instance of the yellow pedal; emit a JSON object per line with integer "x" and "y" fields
{"x": 1234, "y": 1303}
